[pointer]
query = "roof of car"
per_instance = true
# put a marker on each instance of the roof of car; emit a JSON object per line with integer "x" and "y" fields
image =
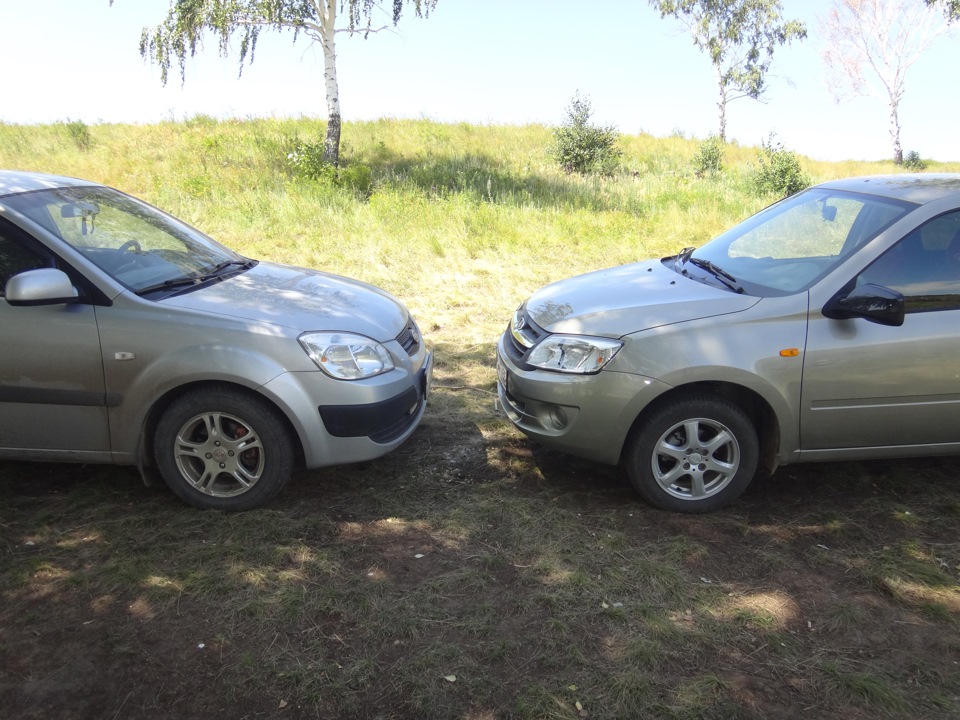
{"x": 15, "y": 181}
{"x": 917, "y": 188}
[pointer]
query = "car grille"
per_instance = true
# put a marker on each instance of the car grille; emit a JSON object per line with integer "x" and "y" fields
{"x": 409, "y": 339}
{"x": 523, "y": 326}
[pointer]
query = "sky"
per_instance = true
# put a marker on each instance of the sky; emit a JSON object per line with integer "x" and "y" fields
{"x": 478, "y": 61}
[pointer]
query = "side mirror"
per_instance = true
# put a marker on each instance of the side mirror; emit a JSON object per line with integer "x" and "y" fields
{"x": 45, "y": 286}
{"x": 871, "y": 302}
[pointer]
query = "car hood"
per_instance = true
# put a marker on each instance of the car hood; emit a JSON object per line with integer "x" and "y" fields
{"x": 628, "y": 299}
{"x": 302, "y": 299}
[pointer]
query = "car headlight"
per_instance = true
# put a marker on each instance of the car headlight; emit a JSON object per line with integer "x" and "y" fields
{"x": 346, "y": 356}
{"x": 573, "y": 353}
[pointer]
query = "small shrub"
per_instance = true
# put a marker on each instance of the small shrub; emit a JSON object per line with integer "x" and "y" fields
{"x": 913, "y": 161}
{"x": 357, "y": 177}
{"x": 584, "y": 148}
{"x": 709, "y": 158}
{"x": 201, "y": 120}
{"x": 778, "y": 172}
{"x": 305, "y": 162}
{"x": 79, "y": 133}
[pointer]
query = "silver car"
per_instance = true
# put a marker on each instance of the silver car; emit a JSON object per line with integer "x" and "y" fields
{"x": 826, "y": 327}
{"x": 128, "y": 337}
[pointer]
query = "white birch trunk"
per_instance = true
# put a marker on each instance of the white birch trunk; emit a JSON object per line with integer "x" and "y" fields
{"x": 721, "y": 103}
{"x": 331, "y": 142}
{"x": 895, "y": 131}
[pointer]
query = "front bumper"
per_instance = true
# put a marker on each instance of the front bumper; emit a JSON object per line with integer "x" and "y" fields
{"x": 383, "y": 421}
{"x": 584, "y": 415}
{"x": 340, "y": 422}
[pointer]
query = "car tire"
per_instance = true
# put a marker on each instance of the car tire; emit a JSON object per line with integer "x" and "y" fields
{"x": 695, "y": 454}
{"x": 223, "y": 449}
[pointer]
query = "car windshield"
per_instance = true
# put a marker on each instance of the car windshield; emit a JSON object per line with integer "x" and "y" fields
{"x": 138, "y": 245}
{"x": 792, "y": 244}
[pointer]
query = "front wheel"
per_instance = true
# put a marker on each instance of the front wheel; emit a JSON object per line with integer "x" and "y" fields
{"x": 223, "y": 449}
{"x": 693, "y": 455}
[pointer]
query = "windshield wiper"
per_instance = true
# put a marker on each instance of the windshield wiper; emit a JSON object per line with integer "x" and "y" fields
{"x": 219, "y": 267}
{"x": 722, "y": 275}
{"x": 196, "y": 278}
{"x": 682, "y": 257}
{"x": 173, "y": 284}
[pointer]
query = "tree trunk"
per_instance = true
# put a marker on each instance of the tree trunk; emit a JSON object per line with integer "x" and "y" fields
{"x": 722, "y": 107}
{"x": 331, "y": 142}
{"x": 895, "y": 131}
{"x": 721, "y": 104}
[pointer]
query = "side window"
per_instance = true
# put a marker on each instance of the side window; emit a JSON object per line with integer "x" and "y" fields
{"x": 924, "y": 266}
{"x": 15, "y": 257}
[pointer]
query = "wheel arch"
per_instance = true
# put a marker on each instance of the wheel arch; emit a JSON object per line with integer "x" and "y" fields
{"x": 145, "y": 453}
{"x": 760, "y": 413}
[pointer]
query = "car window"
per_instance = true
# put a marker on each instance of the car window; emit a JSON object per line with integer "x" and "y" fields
{"x": 133, "y": 242}
{"x": 102, "y": 225}
{"x": 15, "y": 257}
{"x": 792, "y": 244}
{"x": 813, "y": 229}
{"x": 871, "y": 218}
{"x": 924, "y": 266}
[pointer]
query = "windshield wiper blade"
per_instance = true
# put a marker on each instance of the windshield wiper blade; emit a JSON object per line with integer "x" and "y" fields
{"x": 682, "y": 257}
{"x": 718, "y": 272}
{"x": 213, "y": 273}
{"x": 173, "y": 284}
{"x": 715, "y": 269}
{"x": 219, "y": 267}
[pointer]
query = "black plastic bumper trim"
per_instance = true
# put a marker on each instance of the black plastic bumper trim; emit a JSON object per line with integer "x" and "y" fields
{"x": 382, "y": 422}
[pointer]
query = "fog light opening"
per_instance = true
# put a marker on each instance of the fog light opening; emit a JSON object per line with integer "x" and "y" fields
{"x": 558, "y": 417}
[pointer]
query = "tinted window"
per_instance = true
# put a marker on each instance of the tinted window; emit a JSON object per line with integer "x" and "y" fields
{"x": 924, "y": 266}
{"x": 15, "y": 257}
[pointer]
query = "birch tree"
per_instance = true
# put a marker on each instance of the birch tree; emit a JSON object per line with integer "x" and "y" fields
{"x": 740, "y": 37}
{"x": 951, "y": 8}
{"x": 870, "y": 45}
{"x": 181, "y": 33}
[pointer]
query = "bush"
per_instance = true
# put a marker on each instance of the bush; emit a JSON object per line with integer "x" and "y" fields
{"x": 778, "y": 171}
{"x": 305, "y": 162}
{"x": 709, "y": 158}
{"x": 79, "y": 133}
{"x": 584, "y": 148}
{"x": 357, "y": 177}
{"x": 913, "y": 161}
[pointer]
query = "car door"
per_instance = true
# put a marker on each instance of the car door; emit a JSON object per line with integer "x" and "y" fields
{"x": 871, "y": 385}
{"x": 52, "y": 397}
